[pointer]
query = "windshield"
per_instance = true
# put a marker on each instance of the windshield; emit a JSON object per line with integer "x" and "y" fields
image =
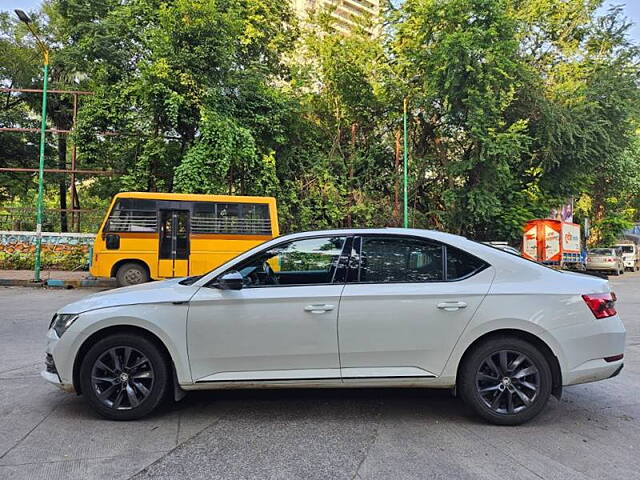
{"x": 601, "y": 251}
{"x": 627, "y": 248}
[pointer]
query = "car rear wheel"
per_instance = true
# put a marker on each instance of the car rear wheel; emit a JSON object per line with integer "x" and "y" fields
{"x": 506, "y": 380}
{"x": 131, "y": 273}
{"x": 124, "y": 377}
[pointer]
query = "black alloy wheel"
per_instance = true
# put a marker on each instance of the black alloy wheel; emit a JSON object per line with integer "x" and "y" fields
{"x": 125, "y": 376}
{"x": 506, "y": 380}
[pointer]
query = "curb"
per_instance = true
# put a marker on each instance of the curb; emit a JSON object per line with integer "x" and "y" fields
{"x": 55, "y": 283}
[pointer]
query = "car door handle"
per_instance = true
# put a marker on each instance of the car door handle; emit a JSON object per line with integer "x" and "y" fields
{"x": 451, "y": 306}
{"x": 319, "y": 308}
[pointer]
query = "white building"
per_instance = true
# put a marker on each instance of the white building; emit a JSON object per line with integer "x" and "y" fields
{"x": 344, "y": 11}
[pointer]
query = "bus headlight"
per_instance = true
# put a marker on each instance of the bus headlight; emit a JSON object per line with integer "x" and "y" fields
{"x": 62, "y": 321}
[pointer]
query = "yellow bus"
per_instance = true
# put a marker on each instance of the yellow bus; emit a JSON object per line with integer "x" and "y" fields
{"x": 163, "y": 235}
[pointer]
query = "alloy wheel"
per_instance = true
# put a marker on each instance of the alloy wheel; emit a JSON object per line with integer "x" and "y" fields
{"x": 122, "y": 378}
{"x": 507, "y": 381}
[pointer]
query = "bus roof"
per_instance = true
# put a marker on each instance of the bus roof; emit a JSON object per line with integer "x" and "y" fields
{"x": 193, "y": 197}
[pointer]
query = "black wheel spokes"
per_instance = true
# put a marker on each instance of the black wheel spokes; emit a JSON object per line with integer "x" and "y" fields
{"x": 122, "y": 378}
{"x": 507, "y": 381}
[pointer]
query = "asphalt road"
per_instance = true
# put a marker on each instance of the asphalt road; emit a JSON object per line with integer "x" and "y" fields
{"x": 593, "y": 433}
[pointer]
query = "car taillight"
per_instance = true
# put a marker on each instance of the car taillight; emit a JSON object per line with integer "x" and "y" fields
{"x": 601, "y": 304}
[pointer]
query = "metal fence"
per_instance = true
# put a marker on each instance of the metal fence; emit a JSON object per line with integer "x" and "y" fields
{"x": 23, "y": 219}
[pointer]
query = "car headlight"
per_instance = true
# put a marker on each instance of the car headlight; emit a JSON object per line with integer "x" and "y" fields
{"x": 62, "y": 321}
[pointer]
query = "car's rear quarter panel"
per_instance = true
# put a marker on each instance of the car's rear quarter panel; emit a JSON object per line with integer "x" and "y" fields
{"x": 549, "y": 305}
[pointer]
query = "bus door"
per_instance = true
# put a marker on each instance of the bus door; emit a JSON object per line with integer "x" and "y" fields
{"x": 173, "y": 252}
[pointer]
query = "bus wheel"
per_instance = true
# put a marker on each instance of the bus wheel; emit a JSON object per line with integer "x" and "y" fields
{"x": 131, "y": 274}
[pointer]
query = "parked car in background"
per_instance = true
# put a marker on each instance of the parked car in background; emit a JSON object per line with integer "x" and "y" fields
{"x": 605, "y": 260}
{"x": 630, "y": 255}
{"x": 345, "y": 308}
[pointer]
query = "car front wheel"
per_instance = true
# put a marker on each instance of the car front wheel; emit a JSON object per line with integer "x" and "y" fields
{"x": 124, "y": 377}
{"x": 506, "y": 380}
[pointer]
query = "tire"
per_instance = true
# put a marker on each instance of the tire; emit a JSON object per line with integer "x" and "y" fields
{"x": 131, "y": 273}
{"x": 503, "y": 405}
{"x": 135, "y": 389}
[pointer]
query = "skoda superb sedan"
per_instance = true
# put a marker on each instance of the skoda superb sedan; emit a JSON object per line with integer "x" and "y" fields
{"x": 345, "y": 308}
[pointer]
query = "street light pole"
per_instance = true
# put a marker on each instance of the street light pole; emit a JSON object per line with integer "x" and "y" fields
{"x": 406, "y": 165}
{"x": 43, "y": 127}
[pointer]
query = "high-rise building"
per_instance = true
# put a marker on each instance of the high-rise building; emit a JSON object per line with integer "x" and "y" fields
{"x": 344, "y": 12}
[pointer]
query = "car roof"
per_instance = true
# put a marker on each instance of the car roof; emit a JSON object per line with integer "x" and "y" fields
{"x": 433, "y": 234}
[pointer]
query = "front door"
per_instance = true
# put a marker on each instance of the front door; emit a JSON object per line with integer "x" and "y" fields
{"x": 406, "y": 303}
{"x": 282, "y": 325}
{"x": 173, "y": 252}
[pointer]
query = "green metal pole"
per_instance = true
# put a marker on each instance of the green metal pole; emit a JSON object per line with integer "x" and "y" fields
{"x": 43, "y": 128}
{"x": 406, "y": 165}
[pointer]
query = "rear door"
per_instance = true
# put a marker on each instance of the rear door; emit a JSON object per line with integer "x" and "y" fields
{"x": 173, "y": 251}
{"x": 406, "y": 302}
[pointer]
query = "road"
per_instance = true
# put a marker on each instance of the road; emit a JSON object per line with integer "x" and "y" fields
{"x": 593, "y": 433}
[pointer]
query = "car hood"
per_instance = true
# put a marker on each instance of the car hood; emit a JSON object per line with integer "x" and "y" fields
{"x": 154, "y": 292}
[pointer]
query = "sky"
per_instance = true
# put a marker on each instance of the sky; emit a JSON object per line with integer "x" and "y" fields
{"x": 632, "y": 10}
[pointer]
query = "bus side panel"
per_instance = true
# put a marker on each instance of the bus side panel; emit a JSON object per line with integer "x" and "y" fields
{"x": 207, "y": 252}
{"x": 133, "y": 246}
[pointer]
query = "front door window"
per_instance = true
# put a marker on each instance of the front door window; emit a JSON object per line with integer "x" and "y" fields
{"x": 313, "y": 261}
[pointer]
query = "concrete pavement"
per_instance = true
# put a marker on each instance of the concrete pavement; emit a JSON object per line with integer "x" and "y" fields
{"x": 593, "y": 433}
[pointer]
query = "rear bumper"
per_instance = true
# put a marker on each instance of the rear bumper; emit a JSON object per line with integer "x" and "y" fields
{"x": 602, "y": 267}
{"x": 592, "y": 371}
{"x": 585, "y": 347}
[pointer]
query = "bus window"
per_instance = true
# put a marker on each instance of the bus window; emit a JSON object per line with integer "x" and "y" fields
{"x": 231, "y": 218}
{"x": 133, "y": 215}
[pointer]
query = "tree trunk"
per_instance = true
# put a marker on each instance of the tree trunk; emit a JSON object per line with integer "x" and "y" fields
{"x": 62, "y": 164}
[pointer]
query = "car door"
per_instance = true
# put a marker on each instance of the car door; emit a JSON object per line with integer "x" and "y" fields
{"x": 406, "y": 302}
{"x": 282, "y": 325}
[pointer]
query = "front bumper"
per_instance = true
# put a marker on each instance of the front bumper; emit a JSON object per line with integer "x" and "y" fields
{"x": 55, "y": 380}
{"x": 52, "y": 372}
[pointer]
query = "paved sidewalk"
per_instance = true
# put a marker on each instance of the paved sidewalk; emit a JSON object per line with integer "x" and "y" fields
{"x": 53, "y": 278}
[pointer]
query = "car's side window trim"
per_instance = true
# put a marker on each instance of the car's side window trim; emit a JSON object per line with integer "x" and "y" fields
{"x": 343, "y": 253}
{"x": 354, "y": 270}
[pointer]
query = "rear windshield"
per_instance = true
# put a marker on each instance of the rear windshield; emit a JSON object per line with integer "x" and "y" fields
{"x": 601, "y": 251}
{"x": 627, "y": 248}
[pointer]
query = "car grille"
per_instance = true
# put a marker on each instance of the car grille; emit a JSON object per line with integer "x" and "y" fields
{"x": 50, "y": 364}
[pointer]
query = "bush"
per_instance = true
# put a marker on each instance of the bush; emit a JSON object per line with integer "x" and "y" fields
{"x": 76, "y": 260}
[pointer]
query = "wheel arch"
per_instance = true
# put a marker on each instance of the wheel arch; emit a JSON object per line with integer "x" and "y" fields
{"x": 112, "y": 330}
{"x": 545, "y": 349}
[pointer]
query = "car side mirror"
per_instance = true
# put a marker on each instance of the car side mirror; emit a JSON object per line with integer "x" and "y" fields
{"x": 230, "y": 281}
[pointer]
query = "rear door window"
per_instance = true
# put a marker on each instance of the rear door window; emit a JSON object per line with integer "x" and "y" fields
{"x": 400, "y": 259}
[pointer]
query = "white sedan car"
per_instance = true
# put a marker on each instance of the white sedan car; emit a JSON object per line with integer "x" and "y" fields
{"x": 345, "y": 308}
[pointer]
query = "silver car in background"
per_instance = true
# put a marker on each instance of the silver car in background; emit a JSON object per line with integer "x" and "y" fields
{"x": 606, "y": 260}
